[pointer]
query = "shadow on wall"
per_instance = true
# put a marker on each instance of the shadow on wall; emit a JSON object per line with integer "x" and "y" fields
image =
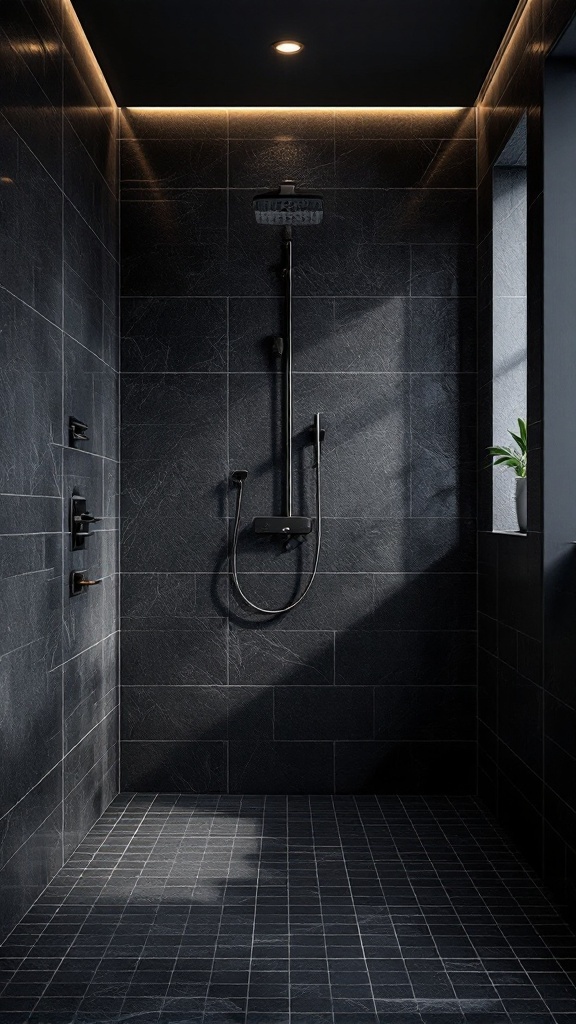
{"x": 398, "y": 716}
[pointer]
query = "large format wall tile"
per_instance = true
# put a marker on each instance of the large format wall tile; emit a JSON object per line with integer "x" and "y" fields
{"x": 431, "y": 599}
{"x": 89, "y": 799}
{"x": 175, "y": 245}
{"x": 174, "y": 766}
{"x": 433, "y": 123}
{"x": 287, "y": 658}
{"x": 32, "y": 87}
{"x": 172, "y": 164}
{"x": 89, "y": 191}
{"x": 31, "y": 241}
{"x": 443, "y": 269}
{"x": 193, "y": 654}
{"x": 31, "y": 609}
{"x": 336, "y": 601}
{"x": 29, "y": 813}
{"x": 90, "y": 689}
{"x": 264, "y": 163}
{"x": 308, "y": 713}
{"x": 31, "y": 359}
{"x": 405, "y": 767}
{"x": 30, "y": 869}
{"x": 174, "y": 713}
{"x": 405, "y": 163}
{"x": 433, "y": 713}
{"x": 59, "y": 359}
{"x": 176, "y": 335}
{"x": 90, "y": 392}
{"x": 370, "y": 682}
{"x": 174, "y": 451}
{"x": 411, "y": 658}
{"x": 88, "y": 109}
{"x": 443, "y": 444}
{"x": 281, "y": 767}
{"x": 32, "y": 713}
{"x": 167, "y": 600}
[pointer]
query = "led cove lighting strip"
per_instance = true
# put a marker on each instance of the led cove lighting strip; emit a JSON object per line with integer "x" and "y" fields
{"x": 360, "y": 109}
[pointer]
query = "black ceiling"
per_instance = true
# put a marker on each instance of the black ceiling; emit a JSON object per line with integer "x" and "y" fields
{"x": 357, "y": 52}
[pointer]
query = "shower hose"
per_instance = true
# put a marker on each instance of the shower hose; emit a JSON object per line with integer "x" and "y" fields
{"x": 240, "y": 481}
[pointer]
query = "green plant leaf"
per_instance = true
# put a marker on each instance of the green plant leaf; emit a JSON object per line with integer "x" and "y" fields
{"x": 499, "y": 451}
{"x": 513, "y": 457}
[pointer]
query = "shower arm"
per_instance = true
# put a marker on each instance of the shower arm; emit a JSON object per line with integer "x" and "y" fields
{"x": 288, "y": 398}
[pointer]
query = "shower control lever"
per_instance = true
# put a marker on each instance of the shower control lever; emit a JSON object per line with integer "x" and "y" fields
{"x": 79, "y": 520}
{"x": 78, "y": 583}
{"x": 278, "y": 346}
{"x": 77, "y": 431}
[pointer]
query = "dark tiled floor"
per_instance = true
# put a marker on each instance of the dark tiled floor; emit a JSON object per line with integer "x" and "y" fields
{"x": 309, "y": 911}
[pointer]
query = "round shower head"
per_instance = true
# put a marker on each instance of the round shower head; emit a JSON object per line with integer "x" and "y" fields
{"x": 288, "y": 207}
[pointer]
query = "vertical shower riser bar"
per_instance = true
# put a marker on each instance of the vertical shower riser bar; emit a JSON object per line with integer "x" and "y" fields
{"x": 288, "y": 414}
{"x": 284, "y": 207}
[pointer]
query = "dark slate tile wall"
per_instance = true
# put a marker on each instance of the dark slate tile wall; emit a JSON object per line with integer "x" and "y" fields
{"x": 526, "y": 717}
{"x": 58, "y": 357}
{"x": 370, "y": 684}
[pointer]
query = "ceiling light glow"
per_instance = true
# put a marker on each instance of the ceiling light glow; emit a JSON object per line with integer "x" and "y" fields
{"x": 298, "y": 110}
{"x": 288, "y": 46}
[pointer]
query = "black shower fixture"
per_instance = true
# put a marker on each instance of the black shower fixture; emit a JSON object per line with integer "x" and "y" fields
{"x": 288, "y": 207}
{"x": 76, "y": 431}
{"x": 80, "y": 520}
{"x": 285, "y": 207}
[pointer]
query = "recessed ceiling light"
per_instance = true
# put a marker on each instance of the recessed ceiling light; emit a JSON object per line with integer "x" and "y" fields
{"x": 288, "y": 46}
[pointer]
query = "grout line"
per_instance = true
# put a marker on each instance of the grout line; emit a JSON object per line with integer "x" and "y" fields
{"x": 94, "y": 355}
{"x": 87, "y": 734}
{"x": 64, "y": 597}
{"x": 81, "y": 451}
{"x": 300, "y": 373}
{"x": 321, "y": 742}
{"x": 103, "y": 755}
{"x": 92, "y": 646}
{"x": 119, "y": 475}
{"x": 53, "y": 497}
{"x": 306, "y": 296}
{"x": 31, "y": 790}
{"x": 328, "y": 687}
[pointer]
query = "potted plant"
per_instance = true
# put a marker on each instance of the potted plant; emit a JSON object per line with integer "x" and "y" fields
{"x": 516, "y": 458}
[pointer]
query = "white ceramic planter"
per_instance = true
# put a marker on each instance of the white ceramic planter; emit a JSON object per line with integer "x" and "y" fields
{"x": 521, "y": 503}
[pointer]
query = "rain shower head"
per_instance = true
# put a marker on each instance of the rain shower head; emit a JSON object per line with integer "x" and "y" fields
{"x": 288, "y": 207}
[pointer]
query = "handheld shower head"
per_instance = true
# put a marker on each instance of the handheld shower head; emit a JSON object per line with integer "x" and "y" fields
{"x": 288, "y": 207}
